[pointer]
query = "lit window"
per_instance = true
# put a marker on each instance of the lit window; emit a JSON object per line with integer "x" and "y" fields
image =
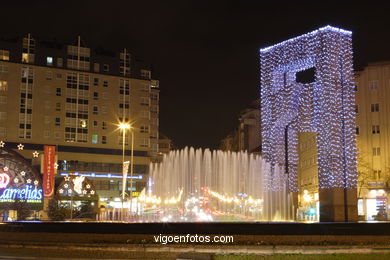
{"x": 95, "y": 139}
{"x": 3, "y": 85}
{"x": 49, "y": 61}
{"x": 4, "y": 55}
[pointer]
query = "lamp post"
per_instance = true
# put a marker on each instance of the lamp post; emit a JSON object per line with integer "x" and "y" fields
{"x": 131, "y": 169}
{"x": 123, "y": 127}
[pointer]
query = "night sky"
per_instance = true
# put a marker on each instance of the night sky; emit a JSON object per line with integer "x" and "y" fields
{"x": 205, "y": 53}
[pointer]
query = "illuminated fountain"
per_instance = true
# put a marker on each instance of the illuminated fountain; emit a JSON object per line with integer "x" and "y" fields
{"x": 197, "y": 185}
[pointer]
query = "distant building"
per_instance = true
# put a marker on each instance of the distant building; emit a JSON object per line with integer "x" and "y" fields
{"x": 74, "y": 97}
{"x": 165, "y": 144}
{"x": 247, "y": 136}
{"x": 373, "y": 140}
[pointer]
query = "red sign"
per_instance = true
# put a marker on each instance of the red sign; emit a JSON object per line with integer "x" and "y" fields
{"x": 48, "y": 171}
{"x": 4, "y": 180}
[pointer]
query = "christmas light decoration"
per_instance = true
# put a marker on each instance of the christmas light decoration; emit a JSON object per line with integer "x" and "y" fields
{"x": 325, "y": 106}
{"x": 20, "y": 146}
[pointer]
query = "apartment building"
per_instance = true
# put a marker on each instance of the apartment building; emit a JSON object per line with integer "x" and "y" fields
{"x": 74, "y": 97}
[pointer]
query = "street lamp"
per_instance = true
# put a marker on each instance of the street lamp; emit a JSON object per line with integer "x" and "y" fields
{"x": 123, "y": 127}
{"x": 131, "y": 169}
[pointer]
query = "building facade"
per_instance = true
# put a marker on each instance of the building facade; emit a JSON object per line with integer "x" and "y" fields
{"x": 247, "y": 135}
{"x": 74, "y": 97}
{"x": 373, "y": 140}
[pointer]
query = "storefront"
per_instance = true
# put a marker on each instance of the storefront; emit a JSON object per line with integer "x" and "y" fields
{"x": 21, "y": 194}
{"x": 77, "y": 193}
{"x": 374, "y": 206}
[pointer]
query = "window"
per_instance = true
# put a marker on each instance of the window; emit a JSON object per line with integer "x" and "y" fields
{"x": 96, "y": 67}
{"x": 373, "y": 85}
{"x": 146, "y": 74}
{"x": 95, "y": 110}
{"x": 154, "y": 96}
{"x": 376, "y": 151}
{"x": 47, "y": 120}
{"x": 95, "y": 139}
{"x": 4, "y": 55}
{"x": 105, "y": 83}
{"x": 106, "y": 68}
{"x": 95, "y": 96}
{"x": 3, "y": 69}
{"x": 3, "y": 116}
{"x": 144, "y": 129}
{"x": 3, "y": 99}
{"x": 104, "y": 109}
{"x": 49, "y": 75}
{"x": 144, "y": 101}
{"x": 3, "y": 131}
{"x": 58, "y": 92}
{"x": 57, "y": 135}
{"x": 59, "y": 62}
{"x": 59, "y": 76}
{"x": 49, "y": 61}
{"x": 376, "y": 129}
{"x": 58, "y": 106}
{"x": 145, "y": 88}
{"x": 377, "y": 174}
{"x": 95, "y": 81}
{"x": 58, "y": 121}
{"x": 78, "y": 58}
{"x": 357, "y": 130}
{"x": 144, "y": 142}
{"x": 47, "y": 104}
{"x": 145, "y": 114}
{"x": 375, "y": 107}
{"x": 3, "y": 85}
{"x": 95, "y": 123}
{"x": 154, "y": 109}
{"x": 104, "y": 125}
{"x": 104, "y": 139}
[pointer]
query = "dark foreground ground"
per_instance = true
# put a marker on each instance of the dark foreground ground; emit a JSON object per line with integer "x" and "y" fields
{"x": 268, "y": 241}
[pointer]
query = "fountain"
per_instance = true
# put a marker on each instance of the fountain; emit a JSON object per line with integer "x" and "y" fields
{"x": 203, "y": 185}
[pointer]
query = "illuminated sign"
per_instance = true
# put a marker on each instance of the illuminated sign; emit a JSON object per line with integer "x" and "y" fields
{"x": 26, "y": 193}
{"x": 4, "y": 180}
{"x": 78, "y": 184}
{"x": 49, "y": 170}
{"x": 94, "y": 175}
